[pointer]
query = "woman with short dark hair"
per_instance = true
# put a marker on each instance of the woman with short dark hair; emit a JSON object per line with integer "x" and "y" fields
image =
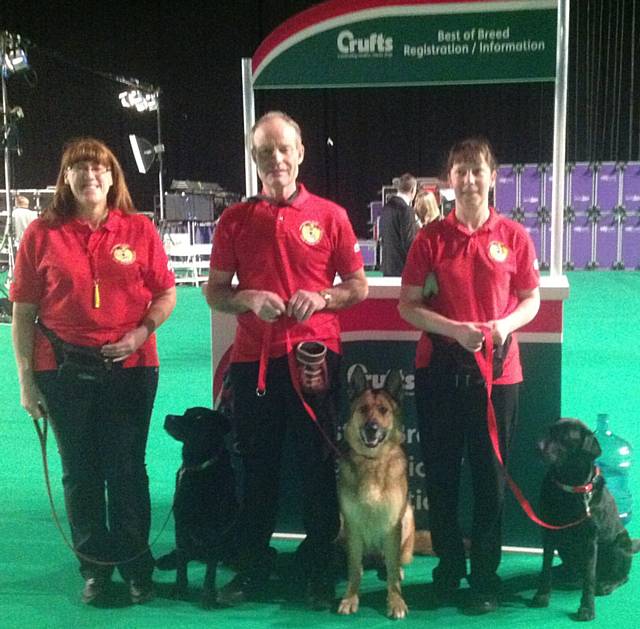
{"x": 471, "y": 275}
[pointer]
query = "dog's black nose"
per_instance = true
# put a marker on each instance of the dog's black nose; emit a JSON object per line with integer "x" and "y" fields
{"x": 371, "y": 429}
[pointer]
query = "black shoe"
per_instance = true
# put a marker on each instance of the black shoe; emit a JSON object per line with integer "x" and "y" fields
{"x": 240, "y": 589}
{"x": 320, "y": 595}
{"x": 141, "y": 591}
{"x": 93, "y": 591}
{"x": 480, "y": 603}
{"x": 443, "y": 593}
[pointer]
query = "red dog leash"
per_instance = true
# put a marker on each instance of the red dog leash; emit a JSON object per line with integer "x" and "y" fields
{"x": 261, "y": 388}
{"x": 485, "y": 364}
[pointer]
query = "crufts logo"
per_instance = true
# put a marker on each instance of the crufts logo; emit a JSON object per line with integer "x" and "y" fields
{"x": 375, "y": 45}
{"x": 377, "y": 380}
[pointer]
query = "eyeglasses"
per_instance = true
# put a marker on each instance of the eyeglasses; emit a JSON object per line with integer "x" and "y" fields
{"x": 94, "y": 169}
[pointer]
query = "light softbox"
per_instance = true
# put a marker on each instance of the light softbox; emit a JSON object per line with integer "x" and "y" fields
{"x": 143, "y": 151}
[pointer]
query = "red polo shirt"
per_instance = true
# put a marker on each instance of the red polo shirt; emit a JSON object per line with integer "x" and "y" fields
{"x": 55, "y": 269}
{"x": 299, "y": 244}
{"x": 478, "y": 275}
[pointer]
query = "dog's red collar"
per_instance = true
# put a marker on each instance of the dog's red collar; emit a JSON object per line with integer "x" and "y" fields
{"x": 587, "y": 488}
{"x": 196, "y": 468}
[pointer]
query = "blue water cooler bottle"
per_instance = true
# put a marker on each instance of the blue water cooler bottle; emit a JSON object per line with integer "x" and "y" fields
{"x": 615, "y": 462}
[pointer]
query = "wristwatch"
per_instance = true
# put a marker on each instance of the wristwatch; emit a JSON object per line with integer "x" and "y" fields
{"x": 326, "y": 295}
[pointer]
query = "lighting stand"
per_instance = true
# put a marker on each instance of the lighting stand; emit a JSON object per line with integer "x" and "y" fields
{"x": 145, "y": 98}
{"x": 8, "y": 238}
{"x": 160, "y": 152}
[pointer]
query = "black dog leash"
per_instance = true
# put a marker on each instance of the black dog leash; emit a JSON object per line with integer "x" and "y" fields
{"x": 42, "y": 437}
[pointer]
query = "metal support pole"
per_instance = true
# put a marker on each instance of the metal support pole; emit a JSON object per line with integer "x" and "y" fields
{"x": 8, "y": 237}
{"x": 559, "y": 137}
{"x": 160, "y": 149}
{"x": 249, "y": 117}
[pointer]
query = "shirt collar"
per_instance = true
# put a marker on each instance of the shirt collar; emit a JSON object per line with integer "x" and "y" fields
{"x": 110, "y": 224}
{"x": 488, "y": 225}
{"x": 296, "y": 200}
{"x": 407, "y": 198}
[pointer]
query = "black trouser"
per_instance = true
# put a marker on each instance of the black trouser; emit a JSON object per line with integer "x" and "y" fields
{"x": 101, "y": 431}
{"x": 452, "y": 421}
{"x": 262, "y": 424}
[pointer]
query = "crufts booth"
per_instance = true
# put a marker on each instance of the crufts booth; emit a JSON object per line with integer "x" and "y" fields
{"x": 367, "y": 43}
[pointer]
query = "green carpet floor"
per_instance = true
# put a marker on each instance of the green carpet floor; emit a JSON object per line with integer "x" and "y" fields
{"x": 39, "y": 584}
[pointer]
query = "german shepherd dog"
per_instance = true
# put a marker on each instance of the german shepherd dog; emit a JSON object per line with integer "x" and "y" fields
{"x": 596, "y": 549}
{"x": 205, "y": 504}
{"x": 373, "y": 488}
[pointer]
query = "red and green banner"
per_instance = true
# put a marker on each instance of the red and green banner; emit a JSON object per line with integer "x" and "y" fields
{"x": 366, "y": 43}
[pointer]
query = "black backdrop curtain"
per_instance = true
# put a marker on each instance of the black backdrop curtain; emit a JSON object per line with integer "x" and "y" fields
{"x": 193, "y": 51}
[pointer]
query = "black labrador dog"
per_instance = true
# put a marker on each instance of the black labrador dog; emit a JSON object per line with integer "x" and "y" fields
{"x": 593, "y": 544}
{"x": 205, "y": 504}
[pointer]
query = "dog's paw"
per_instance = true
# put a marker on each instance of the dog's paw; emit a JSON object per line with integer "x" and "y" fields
{"x": 397, "y": 608}
{"x": 585, "y": 614}
{"x": 348, "y": 605}
{"x": 540, "y": 600}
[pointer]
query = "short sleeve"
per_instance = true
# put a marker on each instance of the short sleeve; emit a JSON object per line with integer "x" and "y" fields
{"x": 528, "y": 274}
{"x": 27, "y": 285}
{"x": 419, "y": 261}
{"x": 347, "y": 255}
{"x": 223, "y": 256}
{"x": 159, "y": 276}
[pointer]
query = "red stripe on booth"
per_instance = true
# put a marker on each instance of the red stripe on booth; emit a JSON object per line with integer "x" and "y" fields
{"x": 382, "y": 314}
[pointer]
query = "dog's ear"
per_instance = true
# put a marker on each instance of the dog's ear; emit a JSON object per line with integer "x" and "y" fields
{"x": 394, "y": 384}
{"x": 357, "y": 382}
{"x": 591, "y": 445}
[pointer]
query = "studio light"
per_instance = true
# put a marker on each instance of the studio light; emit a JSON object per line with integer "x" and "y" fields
{"x": 15, "y": 58}
{"x": 144, "y": 97}
{"x": 144, "y": 152}
{"x": 139, "y": 100}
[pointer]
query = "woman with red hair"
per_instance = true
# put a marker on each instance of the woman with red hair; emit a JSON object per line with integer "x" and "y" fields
{"x": 91, "y": 286}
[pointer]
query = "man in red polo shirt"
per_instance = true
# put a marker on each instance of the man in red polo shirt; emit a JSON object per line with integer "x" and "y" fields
{"x": 286, "y": 247}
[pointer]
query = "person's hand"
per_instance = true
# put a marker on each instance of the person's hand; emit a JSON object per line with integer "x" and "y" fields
{"x": 264, "y": 304}
{"x": 470, "y": 336}
{"x": 499, "y": 331}
{"x": 127, "y": 345}
{"x": 304, "y": 303}
{"x": 32, "y": 400}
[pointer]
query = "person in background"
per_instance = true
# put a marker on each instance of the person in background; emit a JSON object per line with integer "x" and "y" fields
{"x": 426, "y": 207}
{"x": 475, "y": 273}
{"x": 286, "y": 247}
{"x": 91, "y": 286}
{"x": 22, "y": 217}
{"x": 398, "y": 226}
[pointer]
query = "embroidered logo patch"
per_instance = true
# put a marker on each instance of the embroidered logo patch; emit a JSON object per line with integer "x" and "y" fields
{"x": 311, "y": 232}
{"x": 498, "y": 251}
{"x": 123, "y": 254}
